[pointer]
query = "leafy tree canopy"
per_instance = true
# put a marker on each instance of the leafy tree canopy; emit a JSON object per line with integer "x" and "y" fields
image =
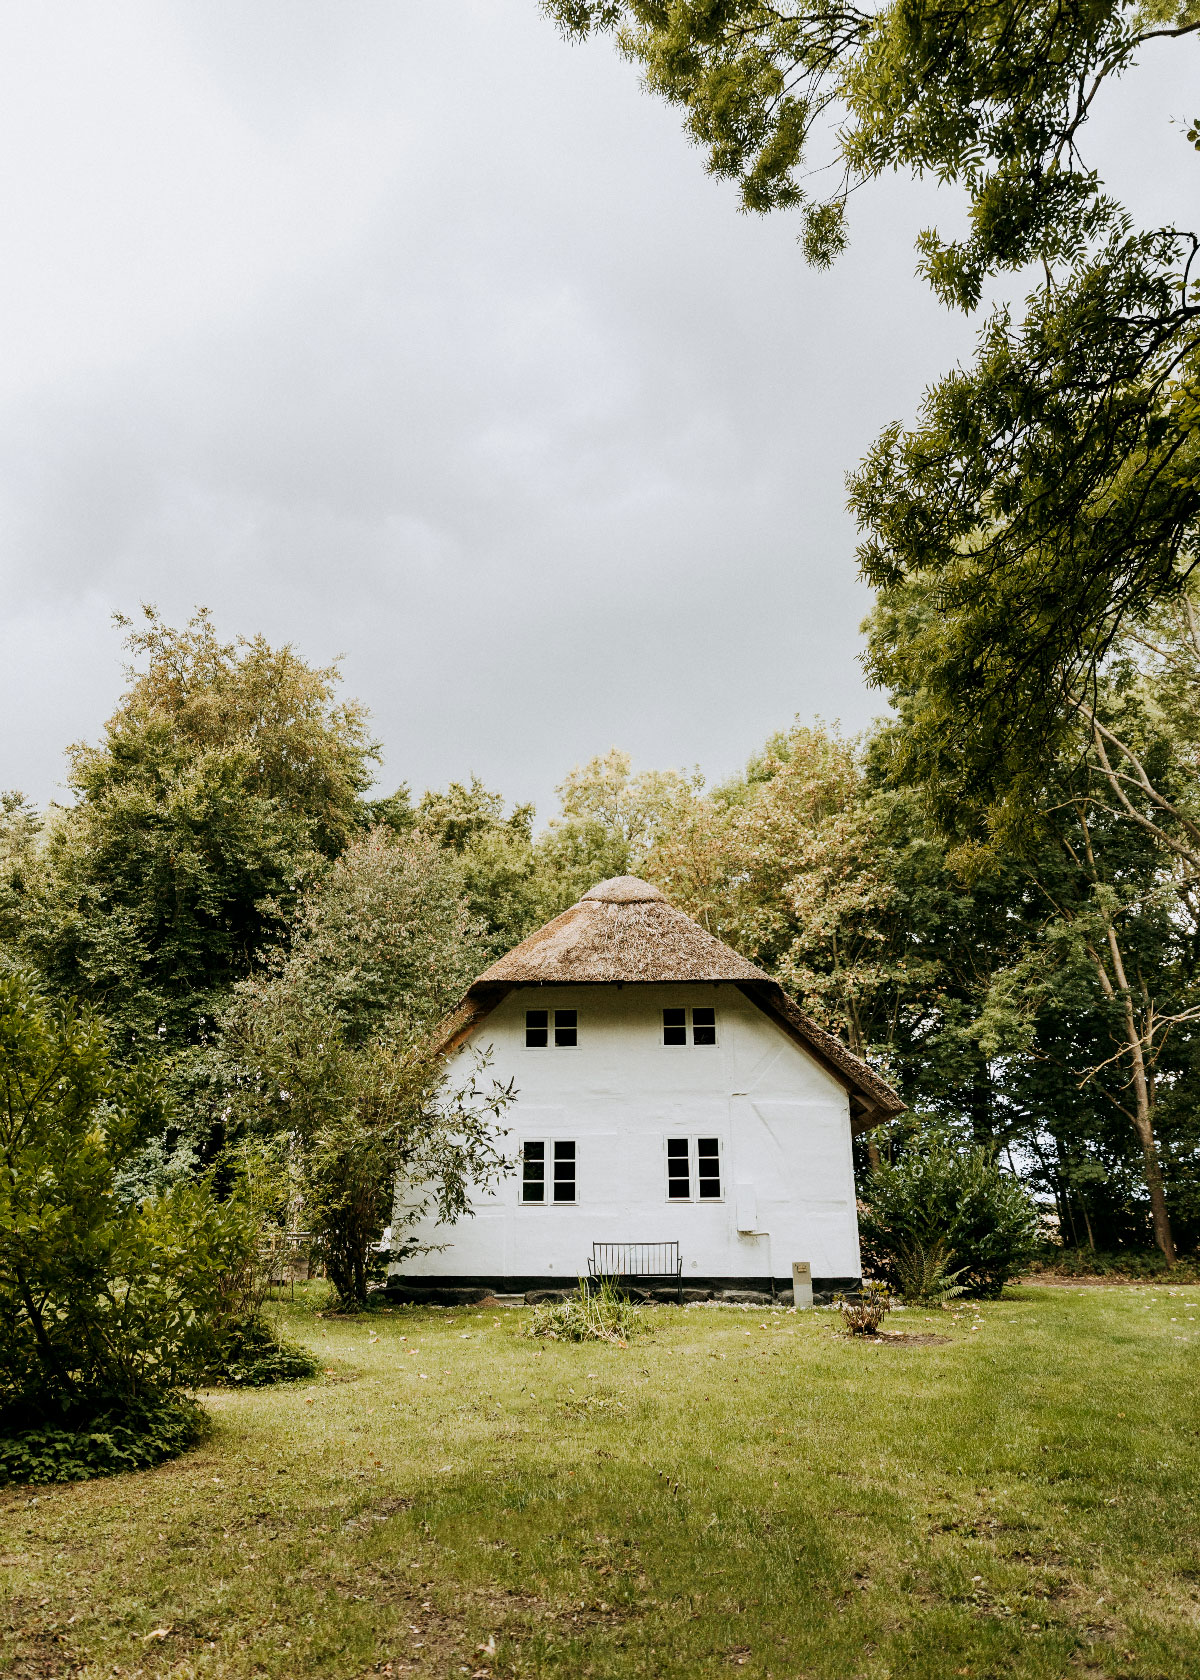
{"x": 1047, "y": 496}
{"x": 327, "y": 1047}
{"x": 105, "y": 1303}
{"x": 229, "y": 774}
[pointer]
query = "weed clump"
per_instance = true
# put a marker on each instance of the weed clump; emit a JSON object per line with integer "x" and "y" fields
{"x": 590, "y": 1315}
{"x": 863, "y": 1315}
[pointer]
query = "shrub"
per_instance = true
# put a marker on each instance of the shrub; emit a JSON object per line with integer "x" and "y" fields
{"x": 108, "y": 1307}
{"x": 959, "y": 1200}
{"x": 252, "y": 1355}
{"x": 1124, "y": 1263}
{"x": 596, "y": 1315}
{"x": 131, "y": 1437}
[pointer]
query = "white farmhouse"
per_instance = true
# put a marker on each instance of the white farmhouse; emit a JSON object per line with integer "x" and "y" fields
{"x": 668, "y": 1092}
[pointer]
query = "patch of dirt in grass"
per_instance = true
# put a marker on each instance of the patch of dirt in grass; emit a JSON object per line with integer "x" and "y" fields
{"x": 1066, "y": 1280}
{"x": 900, "y": 1338}
{"x": 427, "y": 1640}
{"x": 375, "y": 1514}
{"x": 29, "y": 1650}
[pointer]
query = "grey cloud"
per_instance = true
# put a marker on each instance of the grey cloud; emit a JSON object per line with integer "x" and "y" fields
{"x": 482, "y": 383}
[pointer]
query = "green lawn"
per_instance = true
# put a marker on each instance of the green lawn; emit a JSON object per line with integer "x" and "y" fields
{"x": 739, "y": 1491}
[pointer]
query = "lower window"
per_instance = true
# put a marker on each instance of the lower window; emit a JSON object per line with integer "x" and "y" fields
{"x": 693, "y": 1169}
{"x": 548, "y": 1170}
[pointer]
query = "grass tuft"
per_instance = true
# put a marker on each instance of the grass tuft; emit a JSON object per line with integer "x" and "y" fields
{"x": 601, "y": 1314}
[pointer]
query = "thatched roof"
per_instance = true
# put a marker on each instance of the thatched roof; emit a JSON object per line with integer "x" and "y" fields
{"x": 624, "y": 931}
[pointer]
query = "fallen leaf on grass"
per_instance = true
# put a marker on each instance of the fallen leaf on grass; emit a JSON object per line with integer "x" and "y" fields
{"x": 157, "y": 1633}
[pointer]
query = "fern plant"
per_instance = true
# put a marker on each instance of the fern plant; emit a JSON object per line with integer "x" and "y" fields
{"x": 923, "y": 1276}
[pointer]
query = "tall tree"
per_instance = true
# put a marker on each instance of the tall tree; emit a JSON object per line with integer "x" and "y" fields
{"x": 227, "y": 777}
{"x": 1050, "y": 491}
{"x": 328, "y": 1047}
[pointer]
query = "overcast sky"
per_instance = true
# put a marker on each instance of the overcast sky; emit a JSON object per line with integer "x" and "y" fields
{"x": 403, "y": 330}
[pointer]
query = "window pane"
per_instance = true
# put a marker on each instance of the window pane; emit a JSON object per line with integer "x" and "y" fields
{"x": 566, "y": 1018}
{"x": 533, "y": 1172}
{"x": 704, "y": 1017}
{"x": 677, "y": 1146}
{"x": 679, "y": 1189}
{"x": 703, "y": 1035}
{"x": 708, "y": 1168}
{"x": 564, "y": 1170}
{"x": 536, "y": 1035}
{"x": 566, "y": 1038}
{"x": 674, "y": 1017}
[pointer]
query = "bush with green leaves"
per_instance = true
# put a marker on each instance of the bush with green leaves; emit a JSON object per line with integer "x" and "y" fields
{"x": 253, "y": 1354}
{"x": 954, "y": 1205}
{"x": 128, "y": 1437}
{"x": 109, "y": 1307}
{"x": 328, "y": 1047}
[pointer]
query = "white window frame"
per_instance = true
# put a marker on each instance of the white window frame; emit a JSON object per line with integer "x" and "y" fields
{"x": 550, "y": 1145}
{"x": 693, "y": 1141}
{"x": 689, "y": 1027}
{"x": 551, "y": 1018}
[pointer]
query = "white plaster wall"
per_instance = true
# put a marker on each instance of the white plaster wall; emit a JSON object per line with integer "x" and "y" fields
{"x": 784, "y": 1126}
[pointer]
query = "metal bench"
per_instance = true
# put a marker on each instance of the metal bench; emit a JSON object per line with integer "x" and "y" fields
{"x": 625, "y": 1263}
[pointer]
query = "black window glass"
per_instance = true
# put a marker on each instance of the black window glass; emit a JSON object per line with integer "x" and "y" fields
{"x": 565, "y": 1029}
{"x": 533, "y": 1173}
{"x": 564, "y": 1172}
{"x": 679, "y": 1183}
{"x": 674, "y": 1026}
{"x": 704, "y": 1026}
{"x": 536, "y": 1031}
{"x": 708, "y": 1168}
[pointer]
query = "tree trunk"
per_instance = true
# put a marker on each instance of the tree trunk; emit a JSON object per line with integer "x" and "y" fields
{"x": 1088, "y": 1222}
{"x": 1142, "y": 1116}
{"x": 981, "y": 1109}
{"x": 854, "y": 1033}
{"x": 1154, "y": 1182}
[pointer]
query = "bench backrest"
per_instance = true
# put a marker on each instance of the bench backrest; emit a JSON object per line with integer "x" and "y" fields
{"x": 659, "y": 1259}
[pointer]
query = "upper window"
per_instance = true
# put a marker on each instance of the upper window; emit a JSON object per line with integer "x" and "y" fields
{"x": 693, "y": 1169}
{"x": 540, "y": 1157}
{"x": 551, "y": 1026}
{"x": 689, "y": 1026}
